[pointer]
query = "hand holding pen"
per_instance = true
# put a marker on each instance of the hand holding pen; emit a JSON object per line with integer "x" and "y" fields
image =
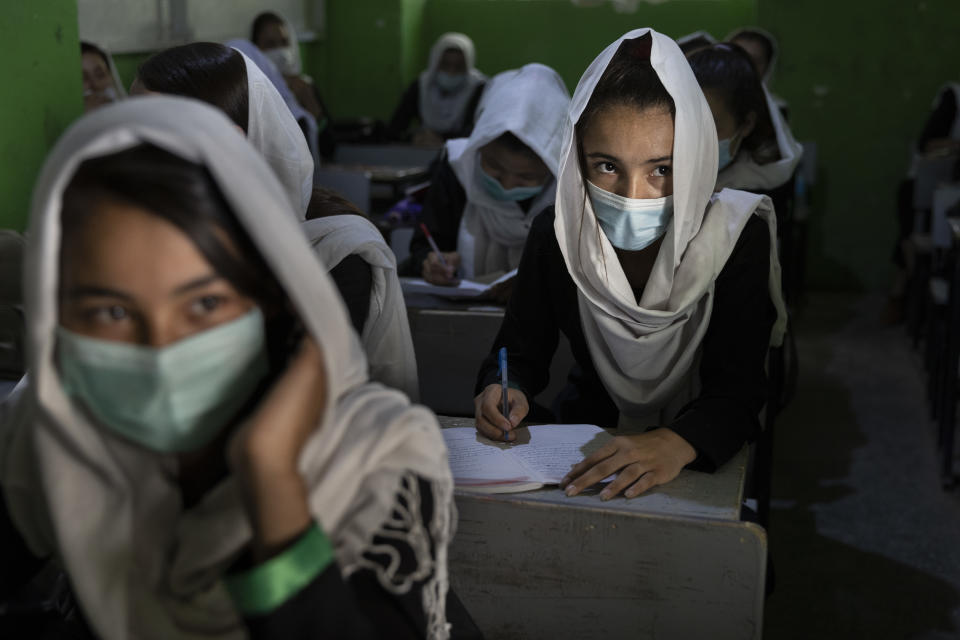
{"x": 499, "y": 408}
{"x": 439, "y": 267}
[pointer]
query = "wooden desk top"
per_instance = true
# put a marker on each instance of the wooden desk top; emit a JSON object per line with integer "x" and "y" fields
{"x": 382, "y": 173}
{"x": 710, "y": 496}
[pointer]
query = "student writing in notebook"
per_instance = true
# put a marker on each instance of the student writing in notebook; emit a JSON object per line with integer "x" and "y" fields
{"x": 197, "y": 444}
{"x": 487, "y": 189}
{"x": 668, "y": 293}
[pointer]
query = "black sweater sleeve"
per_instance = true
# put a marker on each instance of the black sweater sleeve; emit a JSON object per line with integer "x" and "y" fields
{"x": 732, "y": 368}
{"x": 406, "y": 112}
{"x": 354, "y": 280}
{"x": 442, "y": 212}
{"x": 19, "y": 564}
{"x": 940, "y": 122}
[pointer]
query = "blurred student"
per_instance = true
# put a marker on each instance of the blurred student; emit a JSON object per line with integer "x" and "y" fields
{"x": 444, "y": 97}
{"x": 101, "y": 82}
{"x": 764, "y": 51}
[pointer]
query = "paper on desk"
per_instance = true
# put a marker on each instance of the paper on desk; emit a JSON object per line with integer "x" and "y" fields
{"x": 541, "y": 454}
{"x": 464, "y": 289}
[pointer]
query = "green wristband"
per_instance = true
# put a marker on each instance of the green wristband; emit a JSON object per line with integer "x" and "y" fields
{"x": 265, "y": 587}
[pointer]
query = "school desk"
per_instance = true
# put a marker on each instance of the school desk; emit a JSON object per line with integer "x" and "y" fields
{"x": 676, "y": 562}
{"x": 451, "y": 339}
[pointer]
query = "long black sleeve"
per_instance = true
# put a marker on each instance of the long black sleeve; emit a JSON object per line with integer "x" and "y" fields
{"x": 733, "y": 382}
{"x": 442, "y": 212}
{"x": 406, "y": 112}
{"x": 354, "y": 280}
{"x": 940, "y": 122}
{"x": 19, "y": 564}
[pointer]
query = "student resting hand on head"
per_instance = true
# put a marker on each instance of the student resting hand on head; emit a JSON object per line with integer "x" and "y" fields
{"x": 487, "y": 189}
{"x": 101, "y": 82}
{"x": 196, "y": 444}
{"x": 230, "y": 81}
{"x": 277, "y": 39}
{"x": 668, "y": 293}
{"x": 364, "y": 270}
{"x": 444, "y": 97}
{"x": 757, "y": 150}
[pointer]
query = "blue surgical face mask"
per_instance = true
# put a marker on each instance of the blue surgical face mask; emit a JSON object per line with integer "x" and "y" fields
{"x": 496, "y": 191}
{"x": 450, "y": 82}
{"x": 172, "y": 399}
{"x": 630, "y": 224}
{"x": 726, "y": 157}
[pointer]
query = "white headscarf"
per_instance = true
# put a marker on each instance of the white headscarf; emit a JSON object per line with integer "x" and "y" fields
{"x": 117, "y": 82}
{"x": 530, "y": 102}
{"x": 386, "y": 333}
{"x": 745, "y": 173}
{"x": 301, "y": 115}
{"x": 646, "y": 353}
{"x": 110, "y": 511}
{"x": 441, "y": 111}
{"x": 273, "y": 131}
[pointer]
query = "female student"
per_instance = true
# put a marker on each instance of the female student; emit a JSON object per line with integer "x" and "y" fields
{"x": 101, "y": 82}
{"x": 488, "y": 188}
{"x": 364, "y": 270}
{"x": 757, "y": 149}
{"x": 197, "y": 445}
{"x": 445, "y": 96}
{"x": 668, "y": 293}
{"x": 227, "y": 79}
{"x": 277, "y": 39}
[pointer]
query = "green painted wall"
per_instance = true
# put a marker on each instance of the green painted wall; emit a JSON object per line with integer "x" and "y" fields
{"x": 860, "y": 78}
{"x": 42, "y": 96}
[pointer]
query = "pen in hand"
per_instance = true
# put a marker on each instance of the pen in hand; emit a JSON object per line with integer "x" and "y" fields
{"x": 436, "y": 249}
{"x": 503, "y": 389}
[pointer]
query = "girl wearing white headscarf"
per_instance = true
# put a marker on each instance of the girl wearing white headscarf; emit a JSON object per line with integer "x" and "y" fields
{"x": 668, "y": 293}
{"x": 276, "y": 39}
{"x": 757, "y": 149}
{"x": 196, "y": 468}
{"x": 488, "y": 188}
{"x": 229, "y": 80}
{"x": 101, "y": 81}
{"x": 445, "y": 96}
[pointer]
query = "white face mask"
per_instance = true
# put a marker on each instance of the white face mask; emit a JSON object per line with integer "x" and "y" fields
{"x": 630, "y": 224}
{"x": 285, "y": 59}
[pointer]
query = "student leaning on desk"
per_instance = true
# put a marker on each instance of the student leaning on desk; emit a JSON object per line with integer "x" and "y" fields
{"x": 668, "y": 293}
{"x": 197, "y": 445}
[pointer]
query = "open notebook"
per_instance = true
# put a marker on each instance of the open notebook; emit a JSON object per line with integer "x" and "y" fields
{"x": 464, "y": 289}
{"x": 541, "y": 455}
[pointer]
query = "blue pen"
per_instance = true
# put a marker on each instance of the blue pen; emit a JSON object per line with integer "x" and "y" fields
{"x": 503, "y": 389}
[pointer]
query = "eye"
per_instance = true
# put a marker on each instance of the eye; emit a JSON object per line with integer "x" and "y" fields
{"x": 606, "y": 167}
{"x": 662, "y": 171}
{"x": 206, "y": 305}
{"x": 107, "y": 314}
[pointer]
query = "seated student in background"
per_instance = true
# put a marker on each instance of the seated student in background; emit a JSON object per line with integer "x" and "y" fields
{"x": 364, "y": 270}
{"x": 444, "y": 97}
{"x": 277, "y": 39}
{"x": 197, "y": 445}
{"x": 101, "y": 82}
{"x": 668, "y": 293}
{"x": 762, "y": 48}
{"x": 488, "y": 188}
{"x": 227, "y": 79}
{"x": 757, "y": 149}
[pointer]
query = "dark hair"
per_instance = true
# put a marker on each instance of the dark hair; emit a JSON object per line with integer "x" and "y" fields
{"x": 728, "y": 70}
{"x": 207, "y": 71}
{"x": 757, "y": 37}
{"x": 327, "y": 202}
{"x": 87, "y": 47}
{"x": 509, "y": 141}
{"x": 184, "y": 194}
{"x": 261, "y": 22}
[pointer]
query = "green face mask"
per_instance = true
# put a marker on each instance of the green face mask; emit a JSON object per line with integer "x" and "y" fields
{"x": 173, "y": 399}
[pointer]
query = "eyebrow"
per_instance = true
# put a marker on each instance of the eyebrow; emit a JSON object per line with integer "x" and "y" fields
{"x": 83, "y": 290}
{"x": 607, "y": 156}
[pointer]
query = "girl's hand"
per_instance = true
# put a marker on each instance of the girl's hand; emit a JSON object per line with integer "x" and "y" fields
{"x": 488, "y": 407}
{"x": 643, "y": 461}
{"x": 435, "y": 273}
{"x": 265, "y": 452}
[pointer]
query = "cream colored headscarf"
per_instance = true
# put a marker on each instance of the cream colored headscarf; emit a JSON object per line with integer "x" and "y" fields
{"x": 386, "y": 333}
{"x": 110, "y": 512}
{"x": 646, "y": 354}
{"x": 531, "y": 103}
{"x": 441, "y": 111}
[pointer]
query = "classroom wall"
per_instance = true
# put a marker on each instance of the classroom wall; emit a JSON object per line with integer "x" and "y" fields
{"x": 860, "y": 79}
{"x": 41, "y": 97}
